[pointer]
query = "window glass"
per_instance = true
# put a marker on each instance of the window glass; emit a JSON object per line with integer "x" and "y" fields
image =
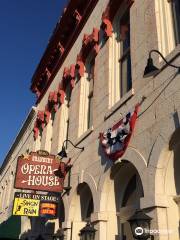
{"x": 90, "y": 78}
{"x": 90, "y": 111}
{"x": 125, "y": 58}
{"x": 102, "y": 38}
{"x": 68, "y": 94}
{"x": 120, "y": 81}
{"x": 175, "y": 5}
{"x": 67, "y": 132}
{"x": 86, "y": 96}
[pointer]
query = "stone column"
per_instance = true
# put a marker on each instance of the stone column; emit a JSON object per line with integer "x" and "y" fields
{"x": 163, "y": 211}
{"x": 100, "y": 224}
{"x": 72, "y": 229}
{"x": 67, "y": 229}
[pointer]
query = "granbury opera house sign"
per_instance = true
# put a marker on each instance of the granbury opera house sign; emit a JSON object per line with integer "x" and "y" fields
{"x": 36, "y": 172}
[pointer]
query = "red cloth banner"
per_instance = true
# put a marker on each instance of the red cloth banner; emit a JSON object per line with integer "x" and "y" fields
{"x": 116, "y": 139}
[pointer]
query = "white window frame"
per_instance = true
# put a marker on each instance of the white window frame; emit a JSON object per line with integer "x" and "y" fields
{"x": 63, "y": 120}
{"x": 165, "y": 28}
{"x": 114, "y": 58}
{"x": 85, "y": 94}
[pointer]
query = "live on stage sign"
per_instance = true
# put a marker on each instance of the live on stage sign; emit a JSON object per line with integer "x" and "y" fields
{"x": 34, "y": 205}
{"x": 36, "y": 172}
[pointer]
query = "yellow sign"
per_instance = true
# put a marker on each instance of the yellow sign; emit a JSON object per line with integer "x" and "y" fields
{"x": 26, "y": 207}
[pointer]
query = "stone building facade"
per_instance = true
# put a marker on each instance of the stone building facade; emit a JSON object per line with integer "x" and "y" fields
{"x": 23, "y": 143}
{"x": 90, "y": 77}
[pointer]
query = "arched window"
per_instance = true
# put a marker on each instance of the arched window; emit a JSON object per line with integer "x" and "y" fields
{"x": 81, "y": 209}
{"x": 86, "y": 201}
{"x": 61, "y": 212}
{"x": 128, "y": 191}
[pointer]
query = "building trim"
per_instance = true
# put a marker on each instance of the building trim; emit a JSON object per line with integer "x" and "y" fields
{"x": 60, "y": 30}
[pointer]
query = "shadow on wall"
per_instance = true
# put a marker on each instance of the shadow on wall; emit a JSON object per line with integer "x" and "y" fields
{"x": 105, "y": 161}
{"x": 40, "y": 229}
{"x": 86, "y": 201}
{"x": 174, "y": 145}
{"x": 127, "y": 192}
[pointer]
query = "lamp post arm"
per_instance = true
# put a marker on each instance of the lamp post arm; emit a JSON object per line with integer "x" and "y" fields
{"x": 67, "y": 140}
{"x": 168, "y": 63}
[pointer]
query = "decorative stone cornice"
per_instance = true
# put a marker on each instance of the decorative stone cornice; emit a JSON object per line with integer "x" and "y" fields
{"x": 47, "y": 114}
{"x": 107, "y": 27}
{"x": 61, "y": 95}
{"x": 109, "y": 14}
{"x": 55, "y": 99}
{"x": 56, "y": 54}
{"x": 63, "y": 38}
{"x": 39, "y": 123}
{"x": 90, "y": 44}
{"x": 77, "y": 16}
{"x": 80, "y": 66}
{"x": 68, "y": 76}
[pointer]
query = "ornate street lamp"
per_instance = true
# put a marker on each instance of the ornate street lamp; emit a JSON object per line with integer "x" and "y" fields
{"x": 63, "y": 152}
{"x": 87, "y": 232}
{"x": 140, "y": 225}
{"x": 151, "y": 70}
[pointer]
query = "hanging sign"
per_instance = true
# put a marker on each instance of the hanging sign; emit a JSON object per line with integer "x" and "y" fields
{"x": 34, "y": 205}
{"x": 36, "y": 172}
{"x": 116, "y": 139}
{"x": 48, "y": 209}
{"x": 26, "y": 207}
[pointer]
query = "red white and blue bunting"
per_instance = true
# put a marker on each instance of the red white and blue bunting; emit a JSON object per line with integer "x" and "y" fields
{"x": 116, "y": 139}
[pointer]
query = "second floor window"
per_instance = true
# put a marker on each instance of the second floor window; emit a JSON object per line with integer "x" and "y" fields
{"x": 68, "y": 95}
{"x": 86, "y": 96}
{"x": 90, "y": 79}
{"x": 168, "y": 25}
{"x": 120, "y": 81}
{"x": 125, "y": 57}
{"x": 175, "y": 6}
{"x": 65, "y": 112}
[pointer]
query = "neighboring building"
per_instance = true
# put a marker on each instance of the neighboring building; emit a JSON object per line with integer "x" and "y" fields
{"x": 10, "y": 226}
{"x": 90, "y": 76}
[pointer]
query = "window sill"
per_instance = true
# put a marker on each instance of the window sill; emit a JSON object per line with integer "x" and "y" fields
{"x": 84, "y": 135}
{"x": 117, "y": 105}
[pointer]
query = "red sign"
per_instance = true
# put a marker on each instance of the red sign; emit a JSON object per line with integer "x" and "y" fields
{"x": 36, "y": 172}
{"x": 48, "y": 209}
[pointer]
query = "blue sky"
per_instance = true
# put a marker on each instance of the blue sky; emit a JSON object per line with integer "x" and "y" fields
{"x": 25, "y": 28}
